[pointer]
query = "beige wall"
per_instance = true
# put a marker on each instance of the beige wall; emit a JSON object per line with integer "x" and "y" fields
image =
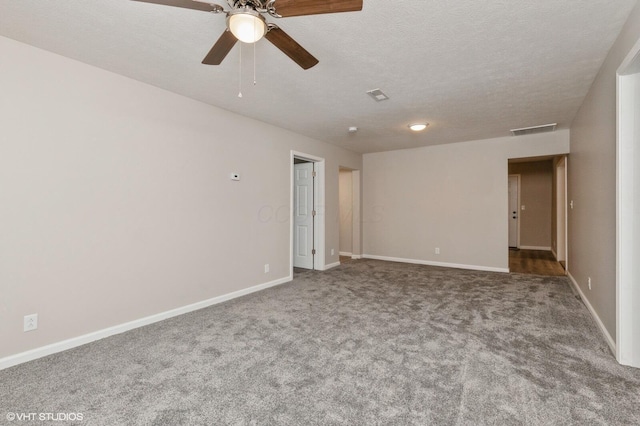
{"x": 346, "y": 212}
{"x": 592, "y": 183}
{"x": 536, "y": 193}
{"x": 453, "y": 197}
{"x": 116, "y": 202}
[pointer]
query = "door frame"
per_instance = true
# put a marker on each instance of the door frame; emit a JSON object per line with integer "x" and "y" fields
{"x": 627, "y": 341}
{"x": 304, "y": 257}
{"x": 518, "y": 210}
{"x": 318, "y": 206}
{"x": 356, "y": 245}
{"x": 356, "y": 225}
{"x": 561, "y": 168}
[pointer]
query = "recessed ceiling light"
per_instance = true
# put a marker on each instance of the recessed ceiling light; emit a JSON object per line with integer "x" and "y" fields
{"x": 418, "y": 127}
{"x": 353, "y": 129}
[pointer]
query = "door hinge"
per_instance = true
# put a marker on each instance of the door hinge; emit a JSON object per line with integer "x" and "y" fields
{"x": 313, "y": 213}
{"x": 313, "y": 251}
{"x": 313, "y": 174}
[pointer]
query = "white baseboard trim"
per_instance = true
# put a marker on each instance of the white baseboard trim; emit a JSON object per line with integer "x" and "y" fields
{"x": 431, "y": 263}
{"x": 63, "y": 345}
{"x": 345, "y": 253}
{"x": 331, "y": 265}
{"x": 356, "y": 256}
{"x": 555, "y": 255}
{"x": 534, "y": 248}
{"x": 594, "y": 314}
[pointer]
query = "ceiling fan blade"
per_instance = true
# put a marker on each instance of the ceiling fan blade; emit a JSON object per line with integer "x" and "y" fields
{"x": 220, "y": 50}
{"x": 287, "y": 8}
{"x": 187, "y": 4}
{"x": 291, "y": 48}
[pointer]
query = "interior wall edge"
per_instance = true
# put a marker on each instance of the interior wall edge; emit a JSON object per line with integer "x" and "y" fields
{"x": 605, "y": 333}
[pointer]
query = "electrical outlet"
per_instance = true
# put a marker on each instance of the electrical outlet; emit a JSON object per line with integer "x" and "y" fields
{"x": 30, "y": 322}
{"x": 437, "y": 250}
{"x": 266, "y": 268}
{"x": 589, "y": 281}
{"x": 332, "y": 252}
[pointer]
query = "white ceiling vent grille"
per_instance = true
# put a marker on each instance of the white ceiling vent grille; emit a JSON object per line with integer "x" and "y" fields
{"x": 377, "y": 95}
{"x": 535, "y": 129}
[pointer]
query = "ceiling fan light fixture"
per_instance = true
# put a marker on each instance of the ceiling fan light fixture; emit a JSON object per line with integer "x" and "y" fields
{"x": 418, "y": 127}
{"x": 246, "y": 25}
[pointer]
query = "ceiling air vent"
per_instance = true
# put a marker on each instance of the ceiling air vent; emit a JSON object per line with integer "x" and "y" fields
{"x": 535, "y": 129}
{"x": 377, "y": 95}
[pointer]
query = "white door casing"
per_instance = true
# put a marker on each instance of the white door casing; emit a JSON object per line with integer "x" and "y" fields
{"x": 303, "y": 216}
{"x": 627, "y": 342}
{"x": 514, "y": 212}
{"x": 561, "y": 211}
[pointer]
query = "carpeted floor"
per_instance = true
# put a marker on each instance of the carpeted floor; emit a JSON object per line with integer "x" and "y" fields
{"x": 366, "y": 343}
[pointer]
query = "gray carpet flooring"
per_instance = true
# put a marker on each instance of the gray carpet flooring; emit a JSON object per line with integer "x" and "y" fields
{"x": 366, "y": 343}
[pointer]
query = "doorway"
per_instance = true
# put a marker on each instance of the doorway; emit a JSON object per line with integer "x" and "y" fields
{"x": 345, "y": 195}
{"x": 306, "y": 216}
{"x": 514, "y": 203}
{"x": 349, "y": 214}
{"x": 533, "y": 216}
{"x": 303, "y": 213}
{"x": 628, "y": 211}
{"x": 560, "y": 246}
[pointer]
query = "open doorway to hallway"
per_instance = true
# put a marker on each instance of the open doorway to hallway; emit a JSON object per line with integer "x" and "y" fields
{"x": 349, "y": 214}
{"x": 560, "y": 226}
{"x": 536, "y": 215}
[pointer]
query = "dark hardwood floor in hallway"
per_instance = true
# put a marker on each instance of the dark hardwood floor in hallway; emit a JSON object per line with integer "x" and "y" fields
{"x": 538, "y": 262}
{"x": 535, "y": 262}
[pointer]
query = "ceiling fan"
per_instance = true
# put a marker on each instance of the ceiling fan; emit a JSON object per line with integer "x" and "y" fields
{"x": 245, "y": 22}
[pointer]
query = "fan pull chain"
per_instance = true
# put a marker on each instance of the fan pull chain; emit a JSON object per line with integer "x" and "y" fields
{"x": 240, "y": 74}
{"x": 254, "y": 62}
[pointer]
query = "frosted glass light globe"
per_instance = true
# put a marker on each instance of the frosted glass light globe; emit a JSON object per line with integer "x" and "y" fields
{"x": 247, "y": 26}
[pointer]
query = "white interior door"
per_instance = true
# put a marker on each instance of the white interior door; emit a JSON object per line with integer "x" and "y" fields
{"x": 303, "y": 215}
{"x": 513, "y": 210}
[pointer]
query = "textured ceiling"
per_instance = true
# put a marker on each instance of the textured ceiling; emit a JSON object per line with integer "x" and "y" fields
{"x": 473, "y": 69}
